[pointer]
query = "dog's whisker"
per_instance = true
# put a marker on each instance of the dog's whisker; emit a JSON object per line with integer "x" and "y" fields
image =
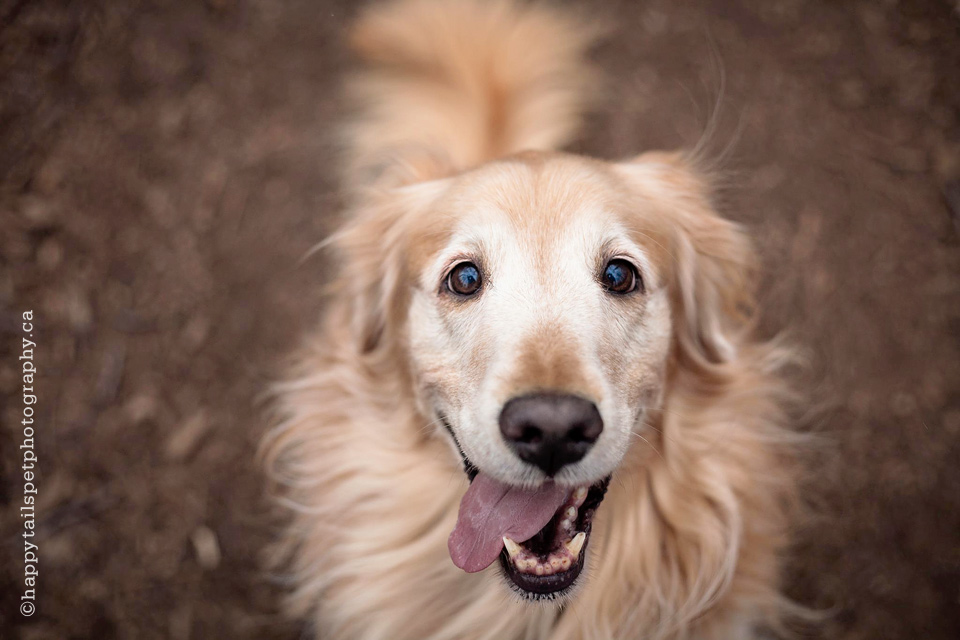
{"x": 656, "y": 242}
{"x": 430, "y": 425}
{"x": 662, "y": 433}
{"x": 637, "y": 435}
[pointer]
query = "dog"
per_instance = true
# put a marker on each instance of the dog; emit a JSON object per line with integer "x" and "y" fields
{"x": 536, "y": 407}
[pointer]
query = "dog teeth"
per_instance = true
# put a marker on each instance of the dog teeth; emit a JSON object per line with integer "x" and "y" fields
{"x": 575, "y": 545}
{"x": 513, "y": 549}
{"x": 557, "y": 561}
{"x": 579, "y": 495}
{"x": 570, "y": 513}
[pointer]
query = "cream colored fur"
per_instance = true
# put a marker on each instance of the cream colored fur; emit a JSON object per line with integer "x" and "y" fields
{"x": 686, "y": 543}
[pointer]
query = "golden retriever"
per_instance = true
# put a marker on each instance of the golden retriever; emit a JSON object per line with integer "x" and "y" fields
{"x": 535, "y": 408}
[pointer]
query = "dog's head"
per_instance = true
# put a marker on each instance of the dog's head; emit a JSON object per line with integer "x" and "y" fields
{"x": 540, "y": 306}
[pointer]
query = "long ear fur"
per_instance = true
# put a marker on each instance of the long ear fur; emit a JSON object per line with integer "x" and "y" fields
{"x": 374, "y": 249}
{"x": 713, "y": 262}
{"x": 724, "y": 487}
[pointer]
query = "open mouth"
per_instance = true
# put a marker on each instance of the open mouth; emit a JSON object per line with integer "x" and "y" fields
{"x": 547, "y": 565}
{"x": 540, "y": 535}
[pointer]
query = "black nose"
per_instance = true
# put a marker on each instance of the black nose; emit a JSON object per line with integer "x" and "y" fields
{"x": 550, "y": 430}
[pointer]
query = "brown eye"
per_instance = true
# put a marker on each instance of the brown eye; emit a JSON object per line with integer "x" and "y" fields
{"x": 620, "y": 277}
{"x": 465, "y": 279}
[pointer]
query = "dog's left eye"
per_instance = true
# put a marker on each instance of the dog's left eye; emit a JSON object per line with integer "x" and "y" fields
{"x": 464, "y": 279}
{"x": 621, "y": 277}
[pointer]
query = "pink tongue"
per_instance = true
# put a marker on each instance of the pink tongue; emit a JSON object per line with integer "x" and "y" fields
{"x": 490, "y": 510}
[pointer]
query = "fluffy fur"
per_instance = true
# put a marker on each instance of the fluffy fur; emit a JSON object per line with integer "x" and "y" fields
{"x": 686, "y": 543}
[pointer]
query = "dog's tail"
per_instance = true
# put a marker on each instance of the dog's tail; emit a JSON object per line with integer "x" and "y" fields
{"x": 453, "y": 83}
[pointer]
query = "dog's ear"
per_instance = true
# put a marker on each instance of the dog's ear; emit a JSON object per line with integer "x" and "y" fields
{"x": 712, "y": 262}
{"x": 374, "y": 247}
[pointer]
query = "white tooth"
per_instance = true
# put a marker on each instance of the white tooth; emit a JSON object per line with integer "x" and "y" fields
{"x": 565, "y": 563}
{"x": 512, "y": 547}
{"x": 566, "y": 525}
{"x": 575, "y": 545}
{"x": 580, "y": 494}
{"x": 570, "y": 513}
{"x": 540, "y": 570}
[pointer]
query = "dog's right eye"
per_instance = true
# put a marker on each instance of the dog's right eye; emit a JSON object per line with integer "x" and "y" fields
{"x": 464, "y": 279}
{"x": 620, "y": 277}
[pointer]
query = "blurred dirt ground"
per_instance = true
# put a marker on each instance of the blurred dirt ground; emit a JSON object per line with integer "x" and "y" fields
{"x": 164, "y": 166}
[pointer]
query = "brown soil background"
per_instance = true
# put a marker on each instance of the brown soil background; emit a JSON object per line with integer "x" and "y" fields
{"x": 165, "y": 165}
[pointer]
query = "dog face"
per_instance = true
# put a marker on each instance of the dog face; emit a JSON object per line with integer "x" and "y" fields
{"x": 540, "y": 305}
{"x": 540, "y": 291}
